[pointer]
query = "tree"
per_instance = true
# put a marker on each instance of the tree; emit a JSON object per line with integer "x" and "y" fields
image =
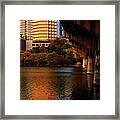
{"x": 36, "y": 49}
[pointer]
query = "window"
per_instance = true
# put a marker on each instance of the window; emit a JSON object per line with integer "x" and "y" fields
{"x": 37, "y": 44}
{"x": 43, "y": 44}
{"x": 33, "y": 44}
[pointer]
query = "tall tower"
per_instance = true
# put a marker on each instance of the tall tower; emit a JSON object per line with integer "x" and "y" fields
{"x": 40, "y": 30}
{"x": 34, "y": 33}
{"x": 22, "y": 35}
{"x": 52, "y": 29}
{"x": 25, "y": 34}
{"x": 59, "y": 29}
{"x": 43, "y": 31}
{"x": 26, "y": 29}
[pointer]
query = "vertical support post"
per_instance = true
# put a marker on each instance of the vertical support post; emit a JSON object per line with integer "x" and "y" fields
{"x": 96, "y": 70}
{"x": 84, "y": 63}
{"x": 89, "y": 66}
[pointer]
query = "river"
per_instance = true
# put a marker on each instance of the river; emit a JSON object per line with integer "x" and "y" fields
{"x": 57, "y": 83}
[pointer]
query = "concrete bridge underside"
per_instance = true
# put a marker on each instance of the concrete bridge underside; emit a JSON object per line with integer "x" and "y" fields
{"x": 85, "y": 37}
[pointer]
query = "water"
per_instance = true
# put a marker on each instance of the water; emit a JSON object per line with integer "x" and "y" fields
{"x": 57, "y": 83}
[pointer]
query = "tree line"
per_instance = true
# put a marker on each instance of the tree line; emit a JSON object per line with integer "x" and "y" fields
{"x": 57, "y": 53}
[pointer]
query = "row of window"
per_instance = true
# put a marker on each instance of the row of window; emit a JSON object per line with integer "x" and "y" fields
{"x": 45, "y": 27}
{"x": 40, "y": 44}
{"x": 44, "y": 33}
{"x": 40, "y": 23}
{"x": 39, "y": 28}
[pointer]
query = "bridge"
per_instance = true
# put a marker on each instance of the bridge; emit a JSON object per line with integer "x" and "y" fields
{"x": 85, "y": 37}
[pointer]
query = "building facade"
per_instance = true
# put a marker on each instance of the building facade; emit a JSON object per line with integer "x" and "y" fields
{"x": 43, "y": 32}
{"x": 37, "y": 32}
{"x": 26, "y": 34}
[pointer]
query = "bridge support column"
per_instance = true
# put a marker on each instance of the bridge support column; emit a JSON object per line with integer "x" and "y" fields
{"x": 84, "y": 63}
{"x": 96, "y": 79}
{"x": 89, "y": 66}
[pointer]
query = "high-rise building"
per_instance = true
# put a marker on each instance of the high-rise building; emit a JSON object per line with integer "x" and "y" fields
{"x": 26, "y": 29}
{"x": 25, "y": 34}
{"x": 38, "y": 32}
{"x": 43, "y": 32}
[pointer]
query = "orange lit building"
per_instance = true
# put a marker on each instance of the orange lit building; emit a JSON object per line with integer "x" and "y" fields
{"x": 26, "y": 34}
{"x": 43, "y": 32}
{"x": 38, "y": 32}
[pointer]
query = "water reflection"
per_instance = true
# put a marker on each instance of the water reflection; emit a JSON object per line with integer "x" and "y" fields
{"x": 57, "y": 83}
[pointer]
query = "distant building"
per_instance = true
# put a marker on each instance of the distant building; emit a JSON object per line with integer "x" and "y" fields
{"x": 39, "y": 32}
{"x": 59, "y": 29}
{"x": 29, "y": 44}
{"x": 22, "y": 43}
{"x": 25, "y": 32}
{"x": 43, "y": 32}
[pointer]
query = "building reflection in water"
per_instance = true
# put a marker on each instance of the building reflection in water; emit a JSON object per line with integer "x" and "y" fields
{"x": 63, "y": 83}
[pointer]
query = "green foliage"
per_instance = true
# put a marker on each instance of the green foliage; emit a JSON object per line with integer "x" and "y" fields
{"x": 36, "y": 50}
{"x": 66, "y": 46}
{"x": 51, "y": 48}
{"x": 58, "y": 53}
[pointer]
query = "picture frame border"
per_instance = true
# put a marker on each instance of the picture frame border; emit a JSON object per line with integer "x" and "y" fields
{"x": 65, "y": 2}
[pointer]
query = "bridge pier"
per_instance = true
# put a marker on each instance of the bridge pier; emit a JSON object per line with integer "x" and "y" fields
{"x": 84, "y": 63}
{"x": 90, "y": 66}
{"x": 96, "y": 79}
